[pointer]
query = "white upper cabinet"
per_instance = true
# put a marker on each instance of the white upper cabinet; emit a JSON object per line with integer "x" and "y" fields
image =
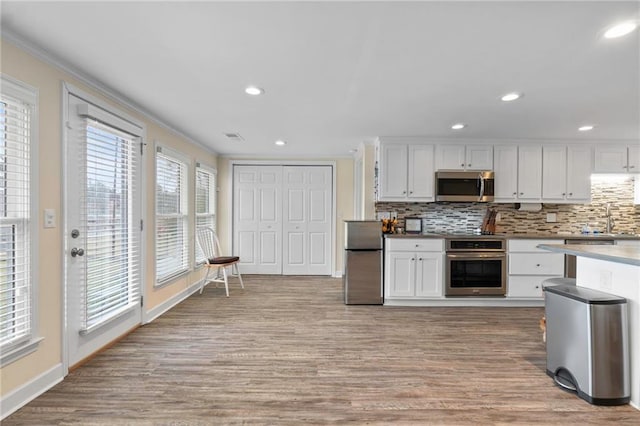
{"x": 529, "y": 173}
{"x": 393, "y": 171}
{"x": 579, "y": 169}
{"x": 518, "y": 173}
{"x": 617, "y": 159}
{"x": 566, "y": 174}
{"x": 505, "y": 168}
{"x": 464, "y": 157}
{"x": 634, "y": 159}
{"x": 406, "y": 172}
{"x": 421, "y": 176}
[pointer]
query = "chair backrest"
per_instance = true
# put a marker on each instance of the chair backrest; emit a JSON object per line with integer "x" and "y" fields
{"x": 208, "y": 242}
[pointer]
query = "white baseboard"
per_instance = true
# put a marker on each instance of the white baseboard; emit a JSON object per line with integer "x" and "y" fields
{"x": 337, "y": 274}
{"x": 154, "y": 313}
{"x": 26, "y": 393}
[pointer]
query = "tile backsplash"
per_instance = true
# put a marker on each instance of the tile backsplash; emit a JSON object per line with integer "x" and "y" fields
{"x": 466, "y": 217}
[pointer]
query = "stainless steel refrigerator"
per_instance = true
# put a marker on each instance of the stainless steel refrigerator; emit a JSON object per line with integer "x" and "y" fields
{"x": 362, "y": 277}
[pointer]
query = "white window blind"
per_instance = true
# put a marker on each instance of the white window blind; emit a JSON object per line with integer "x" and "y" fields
{"x": 16, "y": 273}
{"x": 172, "y": 253}
{"x": 111, "y": 273}
{"x": 205, "y": 203}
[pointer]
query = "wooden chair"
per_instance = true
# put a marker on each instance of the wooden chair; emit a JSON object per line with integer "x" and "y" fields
{"x": 210, "y": 246}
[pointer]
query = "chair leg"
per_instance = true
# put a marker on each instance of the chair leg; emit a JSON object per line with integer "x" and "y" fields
{"x": 204, "y": 282}
{"x": 226, "y": 281}
{"x": 235, "y": 266}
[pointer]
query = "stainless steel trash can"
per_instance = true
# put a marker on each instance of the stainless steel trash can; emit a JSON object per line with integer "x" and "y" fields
{"x": 588, "y": 343}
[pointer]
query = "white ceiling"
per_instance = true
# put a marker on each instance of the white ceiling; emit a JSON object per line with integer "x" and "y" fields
{"x": 339, "y": 73}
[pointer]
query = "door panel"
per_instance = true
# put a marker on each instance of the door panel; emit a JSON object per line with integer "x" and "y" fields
{"x": 288, "y": 208}
{"x": 257, "y": 224}
{"x": 103, "y": 239}
{"x": 307, "y": 224}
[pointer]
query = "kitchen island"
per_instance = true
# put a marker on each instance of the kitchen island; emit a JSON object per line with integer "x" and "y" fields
{"x": 614, "y": 270}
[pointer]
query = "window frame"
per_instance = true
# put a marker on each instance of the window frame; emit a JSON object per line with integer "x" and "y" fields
{"x": 212, "y": 208}
{"x": 184, "y": 161}
{"x": 28, "y": 343}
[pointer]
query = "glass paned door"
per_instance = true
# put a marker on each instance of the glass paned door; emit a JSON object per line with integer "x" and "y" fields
{"x": 103, "y": 251}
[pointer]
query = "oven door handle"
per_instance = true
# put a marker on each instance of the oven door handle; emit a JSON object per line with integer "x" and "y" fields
{"x": 498, "y": 255}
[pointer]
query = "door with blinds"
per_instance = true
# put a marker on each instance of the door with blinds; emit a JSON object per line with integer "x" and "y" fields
{"x": 103, "y": 228}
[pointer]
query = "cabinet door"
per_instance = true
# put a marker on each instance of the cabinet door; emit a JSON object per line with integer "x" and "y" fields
{"x": 400, "y": 274}
{"x": 579, "y": 166}
{"x": 479, "y": 157}
{"x": 554, "y": 173}
{"x": 634, "y": 159}
{"x": 525, "y": 286}
{"x": 450, "y": 157}
{"x": 529, "y": 173}
{"x": 611, "y": 159}
{"x": 393, "y": 172}
{"x": 428, "y": 274}
{"x": 505, "y": 167}
{"x": 421, "y": 174}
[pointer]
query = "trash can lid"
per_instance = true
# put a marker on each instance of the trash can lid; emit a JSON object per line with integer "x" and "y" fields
{"x": 585, "y": 295}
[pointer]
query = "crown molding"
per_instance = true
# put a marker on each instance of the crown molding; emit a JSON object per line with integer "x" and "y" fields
{"x": 94, "y": 84}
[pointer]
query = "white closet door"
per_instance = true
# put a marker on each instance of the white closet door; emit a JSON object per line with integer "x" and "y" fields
{"x": 257, "y": 235}
{"x": 307, "y": 220}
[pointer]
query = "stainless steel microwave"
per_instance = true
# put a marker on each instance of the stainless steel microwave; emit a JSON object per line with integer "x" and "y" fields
{"x": 463, "y": 186}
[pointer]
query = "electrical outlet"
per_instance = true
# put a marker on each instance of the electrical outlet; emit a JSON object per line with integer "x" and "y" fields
{"x": 498, "y": 217}
{"x": 394, "y": 215}
{"x": 552, "y": 218}
{"x": 606, "y": 280}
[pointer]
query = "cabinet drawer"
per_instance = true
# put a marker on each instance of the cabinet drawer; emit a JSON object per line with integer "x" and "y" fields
{"x": 536, "y": 264}
{"x": 414, "y": 244}
{"x": 525, "y": 286}
{"x": 529, "y": 245}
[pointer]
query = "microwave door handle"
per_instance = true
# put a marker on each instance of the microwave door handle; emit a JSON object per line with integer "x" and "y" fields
{"x": 481, "y": 179}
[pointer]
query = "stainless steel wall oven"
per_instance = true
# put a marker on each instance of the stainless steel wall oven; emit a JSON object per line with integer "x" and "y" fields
{"x": 476, "y": 267}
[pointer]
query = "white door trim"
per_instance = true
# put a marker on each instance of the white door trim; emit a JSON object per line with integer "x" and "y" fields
{"x": 334, "y": 210}
{"x": 69, "y": 89}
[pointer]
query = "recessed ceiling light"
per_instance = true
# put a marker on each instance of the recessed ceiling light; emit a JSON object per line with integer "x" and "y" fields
{"x": 458, "y": 126}
{"x": 620, "y": 30}
{"x": 511, "y": 96}
{"x": 585, "y": 128}
{"x": 253, "y": 90}
{"x": 280, "y": 143}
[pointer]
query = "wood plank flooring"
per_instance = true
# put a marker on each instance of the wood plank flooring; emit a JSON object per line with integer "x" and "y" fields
{"x": 286, "y": 350}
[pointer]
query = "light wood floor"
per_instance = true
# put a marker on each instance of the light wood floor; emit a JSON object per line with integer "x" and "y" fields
{"x": 286, "y": 350}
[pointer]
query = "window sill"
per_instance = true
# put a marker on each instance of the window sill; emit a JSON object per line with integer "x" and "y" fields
{"x": 22, "y": 350}
{"x": 171, "y": 278}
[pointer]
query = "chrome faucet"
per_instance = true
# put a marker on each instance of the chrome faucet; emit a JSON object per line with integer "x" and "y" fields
{"x": 610, "y": 222}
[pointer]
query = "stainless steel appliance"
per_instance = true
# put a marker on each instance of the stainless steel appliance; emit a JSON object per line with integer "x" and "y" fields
{"x": 588, "y": 343}
{"x": 465, "y": 186}
{"x": 476, "y": 266}
{"x": 362, "y": 279}
{"x": 570, "y": 260}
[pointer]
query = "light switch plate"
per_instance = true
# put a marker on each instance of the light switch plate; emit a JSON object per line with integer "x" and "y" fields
{"x": 49, "y": 218}
{"x": 551, "y": 218}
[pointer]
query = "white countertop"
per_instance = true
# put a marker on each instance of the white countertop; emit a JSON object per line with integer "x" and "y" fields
{"x": 618, "y": 254}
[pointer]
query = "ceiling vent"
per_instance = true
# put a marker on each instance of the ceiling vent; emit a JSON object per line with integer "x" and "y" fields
{"x": 235, "y": 137}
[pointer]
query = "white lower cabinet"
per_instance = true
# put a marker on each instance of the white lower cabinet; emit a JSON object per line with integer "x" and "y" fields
{"x": 529, "y": 266}
{"x": 413, "y": 268}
